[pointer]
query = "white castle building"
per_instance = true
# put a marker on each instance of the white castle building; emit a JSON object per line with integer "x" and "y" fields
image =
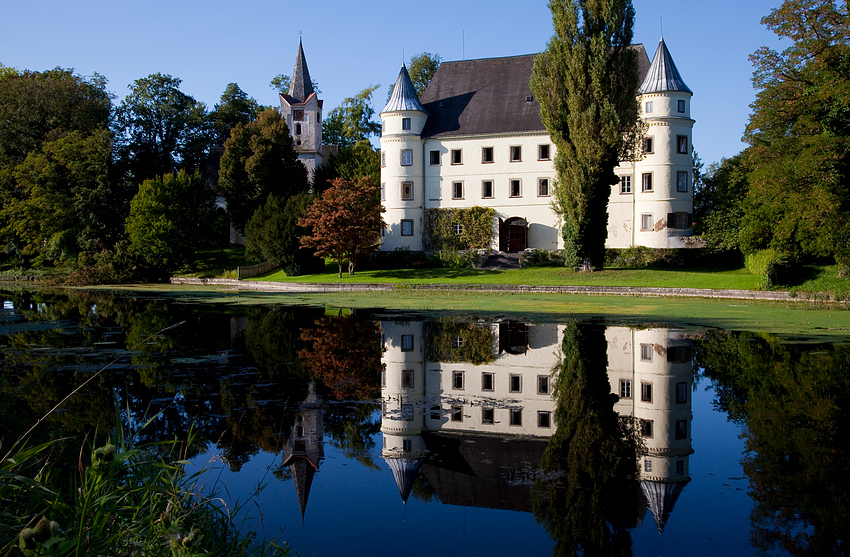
{"x": 476, "y": 138}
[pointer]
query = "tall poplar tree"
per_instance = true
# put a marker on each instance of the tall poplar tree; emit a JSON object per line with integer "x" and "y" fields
{"x": 585, "y": 82}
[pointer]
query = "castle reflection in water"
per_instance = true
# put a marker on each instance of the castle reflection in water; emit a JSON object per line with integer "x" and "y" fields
{"x": 478, "y": 432}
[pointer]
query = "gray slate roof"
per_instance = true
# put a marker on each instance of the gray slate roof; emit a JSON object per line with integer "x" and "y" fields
{"x": 300, "y": 87}
{"x": 404, "y": 95}
{"x": 663, "y": 75}
{"x": 485, "y": 96}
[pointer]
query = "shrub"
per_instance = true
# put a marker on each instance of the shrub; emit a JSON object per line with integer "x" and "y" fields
{"x": 272, "y": 235}
{"x": 542, "y": 258}
{"x": 770, "y": 264}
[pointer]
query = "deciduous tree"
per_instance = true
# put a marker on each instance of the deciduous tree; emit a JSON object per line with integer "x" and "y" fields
{"x": 272, "y": 235}
{"x": 159, "y": 129}
{"x": 799, "y": 135}
{"x": 585, "y": 82}
{"x": 169, "y": 218}
{"x": 350, "y": 163}
{"x": 421, "y": 68}
{"x": 351, "y": 121}
{"x": 259, "y": 160}
{"x": 346, "y": 221}
{"x": 719, "y": 204}
{"x": 235, "y": 107}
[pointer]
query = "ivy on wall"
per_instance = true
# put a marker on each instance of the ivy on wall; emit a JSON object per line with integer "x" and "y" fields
{"x": 459, "y": 229}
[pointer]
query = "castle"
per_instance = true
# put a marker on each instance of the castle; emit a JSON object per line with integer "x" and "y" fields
{"x": 476, "y": 138}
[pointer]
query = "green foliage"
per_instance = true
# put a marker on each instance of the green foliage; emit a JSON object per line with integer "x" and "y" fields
{"x": 590, "y": 495}
{"x": 585, "y": 82}
{"x": 769, "y": 264}
{"x": 421, "y": 69}
{"x": 258, "y": 161}
{"x": 159, "y": 129}
{"x": 169, "y": 218}
{"x": 792, "y": 401}
{"x": 272, "y": 235}
{"x": 235, "y": 107}
{"x": 451, "y": 341}
{"x": 719, "y": 197}
{"x": 636, "y": 257}
{"x": 351, "y": 121}
{"x": 350, "y": 163}
{"x": 281, "y": 82}
{"x": 799, "y": 151}
{"x": 476, "y": 228}
{"x": 542, "y": 258}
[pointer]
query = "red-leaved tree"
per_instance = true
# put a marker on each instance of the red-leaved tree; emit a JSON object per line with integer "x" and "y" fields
{"x": 346, "y": 221}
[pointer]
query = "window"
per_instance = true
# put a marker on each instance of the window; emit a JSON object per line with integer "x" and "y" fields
{"x": 457, "y": 228}
{"x": 486, "y": 154}
{"x": 434, "y": 157}
{"x": 383, "y": 159}
{"x": 405, "y": 123}
{"x": 407, "y": 157}
{"x": 297, "y": 129}
{"x": 407, "y": 378}
{"x": 681, "y": 429}
{"x": 646, "y": 428}
{"x": 383, "y": 191}
{"x": 678, "y": 220}
{"x": 457, "y": 380}
{"x": 544, "y": 419}
{"x": 543, "y": 187}
{"x": 681, "y": 104}
{"x": 515, "y": 188}
{"x": 681, "y": 393}
{"x": 407, "y": 228}
{"x": 486, "y": 381}
{"x": 625, "y": 388}
{"x": 407, "y": 191}
{"x": 516, "y": 153}
{"x": 457, "y": 190}
{"x": 515, "y": 383}
{"x": 384, "y": 382}
{"x": 646, "y": 221}
{"x": 646, "y": 182}
{"x": 406, "y": 343}
{"x": 435, "y": 412}
{"x": 543, "y": 384}
{"x": 625, "y": 184}
{"x": 647, "y": 465}
{"x": 682, "y": 144}
{"x": 298, "y": 115}
{"x": 647, "y": 107}
{"x": 646, "y": 352}
{"x": 456, "y": 156}
{"x": 406, "y": 445}
{"x": 646, "y": 392}
{"x": 543, "y": 152}
{"x": 647, "y": 146}
{"x": 516, "y": 417}
{"x": 457, "y": 413}
{"x": 487, "y": 188}
{"x": 682, "y": 181}
{"x": 487, "y": 415}
{"x": 680, "y": 354}
{"x": 680, "y": 464}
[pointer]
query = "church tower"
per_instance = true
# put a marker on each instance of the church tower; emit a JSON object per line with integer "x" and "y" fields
{"x": 663, "y": 179}
{"x": 403, "y": 167}
{"x": 302, "y": 111}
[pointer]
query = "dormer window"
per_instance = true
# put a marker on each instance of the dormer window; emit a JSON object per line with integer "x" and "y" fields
{"x": 405, "y": 123}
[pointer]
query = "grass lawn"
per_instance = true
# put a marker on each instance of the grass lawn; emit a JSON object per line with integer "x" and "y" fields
{"x": 215, "y": 263}
{"x": 738, "y": 279}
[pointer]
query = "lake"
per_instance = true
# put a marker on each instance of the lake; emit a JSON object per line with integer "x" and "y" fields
{"x": 353, "y": 432}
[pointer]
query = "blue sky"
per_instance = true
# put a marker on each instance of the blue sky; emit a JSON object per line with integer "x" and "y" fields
{"x": 351, "y": 45}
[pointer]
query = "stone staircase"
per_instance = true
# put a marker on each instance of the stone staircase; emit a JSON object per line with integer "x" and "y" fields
{"x": 502, "y": 260}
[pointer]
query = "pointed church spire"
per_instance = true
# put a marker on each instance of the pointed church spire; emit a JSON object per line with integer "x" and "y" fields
{"x": 300, "y": 87}
{"x": 404, "y": 95}
{"x": 663, "y": 75}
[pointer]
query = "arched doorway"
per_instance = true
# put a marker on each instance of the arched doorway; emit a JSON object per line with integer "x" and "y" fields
{"x": 513, "y": 234}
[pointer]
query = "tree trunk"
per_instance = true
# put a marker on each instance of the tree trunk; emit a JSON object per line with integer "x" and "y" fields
{"x": 339, "y": 266}
{"x": 350, "y": 267}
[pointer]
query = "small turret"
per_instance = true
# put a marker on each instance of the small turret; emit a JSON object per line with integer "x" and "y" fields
{"x": 402, "y": 167}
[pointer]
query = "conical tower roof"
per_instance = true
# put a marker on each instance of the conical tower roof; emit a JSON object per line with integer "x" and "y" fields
{"x": 404, "y": 472}
{"x": 300, "y": 87}
{"x": 302, "y": 475}
{"x": 663, "y": 75}
{"x": 660, "y": 497}
{"x": 404, "y": 95}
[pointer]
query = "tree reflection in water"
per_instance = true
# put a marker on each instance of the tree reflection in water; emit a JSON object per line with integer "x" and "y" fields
{"x": 590, "y": 496}
{"x": 794, "y": 401}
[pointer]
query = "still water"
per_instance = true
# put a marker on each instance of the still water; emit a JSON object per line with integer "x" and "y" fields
{"x": 375, "y": 432}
